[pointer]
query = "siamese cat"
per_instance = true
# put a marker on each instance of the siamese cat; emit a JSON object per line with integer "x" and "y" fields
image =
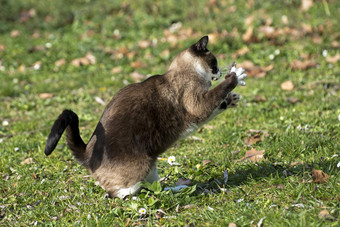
{"x": 144, "y": 119}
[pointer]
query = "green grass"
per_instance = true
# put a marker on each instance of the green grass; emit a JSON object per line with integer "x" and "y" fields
{"x": 56, "y": 190}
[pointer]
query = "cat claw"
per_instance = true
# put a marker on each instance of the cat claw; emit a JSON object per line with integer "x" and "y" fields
{"x": 240, "y": 73}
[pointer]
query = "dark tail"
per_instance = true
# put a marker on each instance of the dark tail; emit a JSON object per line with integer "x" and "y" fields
{"x": 67, "y": 120}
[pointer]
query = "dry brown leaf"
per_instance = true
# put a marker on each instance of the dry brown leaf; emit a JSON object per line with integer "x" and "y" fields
{"x": 117, "y": 69}
{"x": 25, "y": 15}
{"x": 36, "y": 34}
{"x": 324, "y": 214}
{"x": 248, "y": 35}
{"x": 137, "y": 77}
{"x": 297, "y": 64}
{"x": 296, "y": 163}
{"x": 335, "y": 44}
{"x": 306, "y": 4}
{"x": 45, "y": 95}
{"x": 240, "y": 52}
{"x": 249, "y": 20}
{"x": 287, "y": 86}
{"x": 15, "y": 33}
{"x": 137, "y": 64}
{"x": 205, "y": 162}
{"x": 317, "y": 39}
{"x": 255, "y": 136}
{"x": 144, "y": 44}
{"x": 255, "y": 71}
{"x": 268, "y": 31}
{"x": 333, "y": 59}
{"x": 258, "y": 98}
{"x": 60, "y": 62}
{"x": 232, "y": 225}
{"x": 319, "y": 176}
{"x": 165, "y": 54}
{"x": 2, "y": 47}
{"x": 87, "y": 60}
{"x": 188, "y": 206}
{"x": 91, "y": 58}
{"x": 27, "y": 161}
{"x": 253, "y": 155}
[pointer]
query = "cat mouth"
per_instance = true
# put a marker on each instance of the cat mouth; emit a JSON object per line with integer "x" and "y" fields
{"x": 214, "y": 78}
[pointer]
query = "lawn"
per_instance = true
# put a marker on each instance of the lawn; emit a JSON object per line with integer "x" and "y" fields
{"x": 280, "y": 146}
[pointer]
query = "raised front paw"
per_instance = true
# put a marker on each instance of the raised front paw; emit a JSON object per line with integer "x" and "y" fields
{"x": 240, "y": 75}
{"x": 230, "y": 101}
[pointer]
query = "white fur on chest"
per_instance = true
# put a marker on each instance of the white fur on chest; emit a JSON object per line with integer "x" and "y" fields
{"x": 192, "y": 128}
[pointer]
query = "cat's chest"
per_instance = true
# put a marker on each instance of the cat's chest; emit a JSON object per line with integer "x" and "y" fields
{"x": 189, "y": 129}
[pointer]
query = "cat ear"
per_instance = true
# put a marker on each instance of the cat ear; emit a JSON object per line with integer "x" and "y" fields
{"x": 201, "y": 45}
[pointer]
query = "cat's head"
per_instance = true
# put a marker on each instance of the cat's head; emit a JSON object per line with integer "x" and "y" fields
{"x": 199, "y": 59}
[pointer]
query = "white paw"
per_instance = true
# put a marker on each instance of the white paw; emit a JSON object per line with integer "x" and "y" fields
{"x": 240, "y": 75}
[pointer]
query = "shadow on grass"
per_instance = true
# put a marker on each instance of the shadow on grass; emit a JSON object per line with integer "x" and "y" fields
{"x": 262, "y": 170}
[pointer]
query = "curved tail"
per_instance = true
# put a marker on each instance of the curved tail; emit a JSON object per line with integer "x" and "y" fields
{"x": 67, "y": 120}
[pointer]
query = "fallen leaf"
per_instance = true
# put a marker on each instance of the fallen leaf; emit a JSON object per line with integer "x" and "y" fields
{"x": 37, "y": 48}
{"x": 296, "y": 163}
{"x": 165, "y": 54}
{"x": 117, "y": 69}
{"x": 317, "y": 39}
{"x": 45, "y": 95}
{"x": 333, "y": 59}
{"x": 248, "y": 35}
{"x": 306, "y": 4}
{"x": 36, "y": 34}
{"x": 60, "y": 62}
{"x": 335, "y": 44}
{"x": 232, "y": 225}
{"x": 253, "y": 155}
{"x": 249, "y": 20}
{"x": 287, "y": 86}
{"x": 144, "y": 44}
{"x": 25, "y": 15}
{"x": 137, "y": 77}
{"x": 15, "y": 33}
{"x": 319, "y": 176}
{"x": 2, "y": 47}
{"x": 240, "y": 52}
{"x": 188, "y": 206}
{"x": 205, "y": 162}
{"x": 91, "y": 58}
{"x": 297, "y": 64}
{"x": 268, "y": 31}
{"x": 255, "y": 136}
{"x": 137, "y": 64}
{"x": 255, "y": 71}
{"x": 87, "y": 60}
{"x": 253, "y": 140}
{"x": 258, "y": 98}
{"x": 27, "y": 161}
{"x": 324, "y": 214}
